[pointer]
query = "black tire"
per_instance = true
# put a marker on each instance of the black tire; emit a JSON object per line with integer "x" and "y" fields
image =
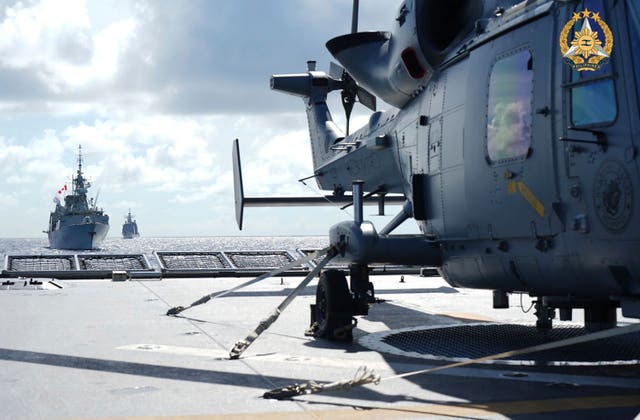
{"x": 334, "y": 307}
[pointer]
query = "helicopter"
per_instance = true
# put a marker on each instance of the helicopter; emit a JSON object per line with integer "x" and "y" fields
{"x": 510, "y": 140}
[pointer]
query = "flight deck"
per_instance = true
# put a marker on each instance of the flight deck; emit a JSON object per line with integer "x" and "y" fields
{"x": 97, "y": 348}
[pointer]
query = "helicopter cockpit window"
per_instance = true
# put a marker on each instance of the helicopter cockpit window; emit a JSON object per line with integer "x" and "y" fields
{"x": 509, "y": 107}
{"x": 593, "y": 99}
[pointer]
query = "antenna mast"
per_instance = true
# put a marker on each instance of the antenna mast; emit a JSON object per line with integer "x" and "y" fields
{"x": 354, "y": 17}
{"x": 79, "y": 159}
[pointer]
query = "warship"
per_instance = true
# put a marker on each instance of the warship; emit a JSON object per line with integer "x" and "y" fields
{"x": 77, "y": 224}
{"x": 130, "y": 227}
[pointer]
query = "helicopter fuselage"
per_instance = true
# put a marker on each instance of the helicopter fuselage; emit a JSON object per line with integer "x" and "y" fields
{"x": 523, "y": 171}
{"x": 549, "y": 213}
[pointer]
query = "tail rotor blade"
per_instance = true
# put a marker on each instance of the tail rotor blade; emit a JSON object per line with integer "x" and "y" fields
{"x": 350, "y": 89}
{"x": 366, "y": 98}
{"x": 336, "y": 71}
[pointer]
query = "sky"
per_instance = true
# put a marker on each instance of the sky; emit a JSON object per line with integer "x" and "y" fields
{"x": 155, "y": 92}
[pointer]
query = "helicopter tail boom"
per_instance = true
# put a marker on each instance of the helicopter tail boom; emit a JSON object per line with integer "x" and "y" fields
{"x": 313, "y": 88}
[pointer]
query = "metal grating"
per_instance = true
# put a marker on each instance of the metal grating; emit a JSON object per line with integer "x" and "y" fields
{"x": 260, "y": 259}
{"x": 172, "y": 264}
{"x": 339, "y": 263}
{"x": 112, "y": 262}
{"x": 37, "y": 263}
{"x": 472, "y": 341}
{"x": 192, "y": 260}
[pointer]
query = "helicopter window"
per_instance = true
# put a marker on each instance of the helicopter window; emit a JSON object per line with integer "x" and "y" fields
{"x": 509, "y": 107}
{"x": 593, "y": 103}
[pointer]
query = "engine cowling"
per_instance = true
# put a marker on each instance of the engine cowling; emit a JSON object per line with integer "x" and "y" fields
{"x": 395, "y": 65}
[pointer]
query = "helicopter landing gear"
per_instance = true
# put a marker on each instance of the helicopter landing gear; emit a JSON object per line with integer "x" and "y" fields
{"x": 361, "y": 288}
{"x": 332, "y": 314}
{"x": 598, "y": 314}
{"x": 600, "y": 317}
{"x": 545, "y": 315}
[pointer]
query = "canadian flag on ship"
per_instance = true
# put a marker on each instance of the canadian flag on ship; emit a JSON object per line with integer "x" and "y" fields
{"x": 61, "y": 193}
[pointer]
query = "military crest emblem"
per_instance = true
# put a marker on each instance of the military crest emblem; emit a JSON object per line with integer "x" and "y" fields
{"x": 591, "y": 45}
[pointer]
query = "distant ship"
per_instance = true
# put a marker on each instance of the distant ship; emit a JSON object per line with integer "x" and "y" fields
{"x": 77, "y": 224}
{"x": 130, "y": 227}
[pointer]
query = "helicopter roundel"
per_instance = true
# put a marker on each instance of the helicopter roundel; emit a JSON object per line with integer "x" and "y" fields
{"x": 613, "y": 196}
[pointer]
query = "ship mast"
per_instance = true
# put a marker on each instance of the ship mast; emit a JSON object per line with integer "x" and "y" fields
{"x": 79, "y": 159}
{"x": 79, "y": 185}
{"x": 77, "y": 181}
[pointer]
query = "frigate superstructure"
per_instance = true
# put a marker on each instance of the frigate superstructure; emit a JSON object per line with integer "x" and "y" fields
{"x": 130, "y": 227}
{"x": 78, "y": 224}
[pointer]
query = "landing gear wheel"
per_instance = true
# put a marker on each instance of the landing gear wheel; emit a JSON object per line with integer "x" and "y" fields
{"x": 334, "y": 307}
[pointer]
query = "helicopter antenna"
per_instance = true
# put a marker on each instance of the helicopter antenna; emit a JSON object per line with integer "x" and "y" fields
{"x": 354, "y": 17}
{"x": 79, "y": 159}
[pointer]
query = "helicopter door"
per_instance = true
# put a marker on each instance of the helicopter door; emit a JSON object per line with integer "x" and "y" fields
{"x": 511, "y": 183}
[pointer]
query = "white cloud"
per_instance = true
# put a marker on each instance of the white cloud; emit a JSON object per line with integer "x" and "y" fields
{"x": 274, "y": 165}
{"x": 103, "y": 64}
{"x": 155, "y": 91}
{"x": 32, "y": 34}
{"x": 57, "y": 41}
{"x": 8, "y": 199}
{"x": 39, "y": 159}
{"x": 221, "y": 187}
{"x": 159, "y": 152}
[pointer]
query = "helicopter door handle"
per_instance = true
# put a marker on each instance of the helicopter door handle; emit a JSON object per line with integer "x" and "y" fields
{"x": 601, "y": 138}
{"x": 544, "y": 111}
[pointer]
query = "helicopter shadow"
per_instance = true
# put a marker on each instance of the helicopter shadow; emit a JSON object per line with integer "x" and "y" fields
{"x": 311, "y": 291}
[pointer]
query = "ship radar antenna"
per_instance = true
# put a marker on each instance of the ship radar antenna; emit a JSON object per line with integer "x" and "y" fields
{"x": 79, "y": 159}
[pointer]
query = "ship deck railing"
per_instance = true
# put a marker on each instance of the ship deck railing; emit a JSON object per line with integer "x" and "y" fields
{"x": 179, "y": 264}
{"x": 74, "y": 266}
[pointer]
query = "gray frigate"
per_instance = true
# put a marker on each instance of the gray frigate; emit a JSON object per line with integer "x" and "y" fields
{"x": 77, "y": 224}
{"x": 130, "y": 227}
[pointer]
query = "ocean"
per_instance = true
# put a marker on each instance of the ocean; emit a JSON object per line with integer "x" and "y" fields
{"x": 146, "y": 246}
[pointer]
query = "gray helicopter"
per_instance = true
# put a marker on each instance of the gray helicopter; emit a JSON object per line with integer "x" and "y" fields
{"x": 511, "y": 142}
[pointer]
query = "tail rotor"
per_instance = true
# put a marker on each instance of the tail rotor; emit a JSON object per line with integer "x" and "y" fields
{"x": 350, "y": 89}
